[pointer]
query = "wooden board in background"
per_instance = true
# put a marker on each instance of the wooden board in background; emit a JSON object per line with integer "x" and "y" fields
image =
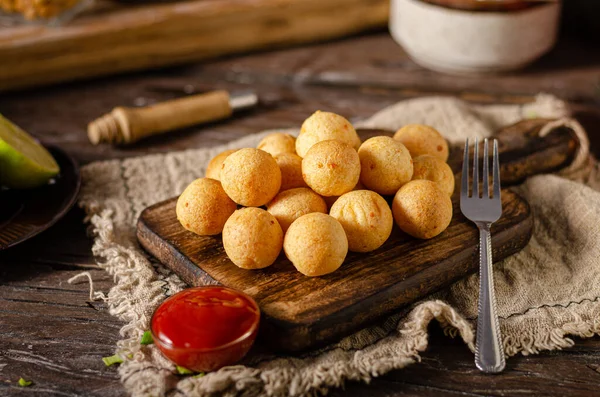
{"x": 117, "y": 38}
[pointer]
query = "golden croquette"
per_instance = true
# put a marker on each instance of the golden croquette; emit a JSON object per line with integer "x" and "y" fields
{"x": 290, "y": 165}
{"x": 204, "y": 207}
{"x": 324, "y": 126}
{"x": 422, "y": 139}
{"x": 433, "y": 169}
{"x": 316, "y": 244}
{"x": 252, "y": 238}
{"x": 251, "y": 177}
{"x": 422, "y": 209}
{"x": 331, "y": 168}
{"x": 385, "y": 163}
{"x": 290, "y": 205}
{"x": 277, "y": 143}
{"x": 332, "y": 199}
{"x": 366, "y": 218}
{"x": 213, "y": 169}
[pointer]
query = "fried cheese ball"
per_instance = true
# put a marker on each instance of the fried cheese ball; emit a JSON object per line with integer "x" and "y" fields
{"x": 433, "y": 169}
{"x": 331, "y": 168}
{"x": 422, "y": 139}
{"x": 278, "y": 143}
{"x": 316, "y": 244}
{"x": 251, "y": 177}
{"x": 422, "y": 209}
{"x": 204, "y": 207}
{"x": 324, "y": 126}
{"x": 213, "y": 169}
{"x": 252, "y": 238}
{"x": 290, "y": 165}
{"x": 366, "y": 218}
{"x": 332, "y": 199}
{"x": 290, "y": 205}
{"x": 385, "y": 163}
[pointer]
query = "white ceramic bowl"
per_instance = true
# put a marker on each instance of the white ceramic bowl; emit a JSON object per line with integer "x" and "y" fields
{"x": 459, "y": 41}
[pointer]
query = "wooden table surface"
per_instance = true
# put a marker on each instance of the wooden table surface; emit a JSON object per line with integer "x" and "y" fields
{"x": 50, "y": 331}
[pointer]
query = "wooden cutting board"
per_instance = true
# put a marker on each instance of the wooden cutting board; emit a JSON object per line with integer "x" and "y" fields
{"x": 300, "y": 312}
{"x": 115, "y": 37}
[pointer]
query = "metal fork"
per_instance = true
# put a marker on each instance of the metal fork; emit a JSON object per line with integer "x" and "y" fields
{"x": 483, "y": 211}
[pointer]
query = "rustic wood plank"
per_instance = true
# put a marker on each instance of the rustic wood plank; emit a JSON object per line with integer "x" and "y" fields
{"x": 51, "y": 333}
{"x": 59, "y": 114}
{"x": 151, "y": 35}
{"x": 447, "y": 369}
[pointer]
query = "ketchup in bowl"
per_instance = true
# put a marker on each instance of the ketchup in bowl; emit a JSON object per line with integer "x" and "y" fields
{"x": 206, "y": 328}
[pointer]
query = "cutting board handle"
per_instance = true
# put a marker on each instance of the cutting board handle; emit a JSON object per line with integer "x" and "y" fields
{"x": 524, "y": 153}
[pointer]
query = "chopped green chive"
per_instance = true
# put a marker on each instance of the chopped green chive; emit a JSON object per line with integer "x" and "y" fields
{"x": 531, "y": 114}
{"x": 147, "y": 338}
{"x": 108, "y": 361}
{"x": 200, "y": 375}
{"x": 183, "y": 371}
{"x": 24, "y": 383}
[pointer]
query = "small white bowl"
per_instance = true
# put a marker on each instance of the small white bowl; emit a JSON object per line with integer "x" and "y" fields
{"x": 460, "y": 42}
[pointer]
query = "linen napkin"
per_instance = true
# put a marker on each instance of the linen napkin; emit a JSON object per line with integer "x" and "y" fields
{"x": 546, "y": 293}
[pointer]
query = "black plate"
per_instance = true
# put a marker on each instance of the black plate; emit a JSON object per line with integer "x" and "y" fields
{"x": 26, "y": 213}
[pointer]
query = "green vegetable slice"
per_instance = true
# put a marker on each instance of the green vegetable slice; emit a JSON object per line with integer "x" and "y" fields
{"x": 200, "y": 375}
{"x": 183, "y": 371}
{"x": 24, "y": 383}
{"x": 116, "y": 359}
{"x": 147, "y": 338}
{"x": 24, "y": 163}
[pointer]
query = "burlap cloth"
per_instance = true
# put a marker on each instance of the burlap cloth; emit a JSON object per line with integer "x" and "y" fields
{"x": 545, "y": 293}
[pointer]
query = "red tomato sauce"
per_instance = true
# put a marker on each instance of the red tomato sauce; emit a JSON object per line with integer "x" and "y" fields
{"x": 203, "y": 318}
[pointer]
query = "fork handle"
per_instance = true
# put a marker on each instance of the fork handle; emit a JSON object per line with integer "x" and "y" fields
{"x": 489, "y": 352}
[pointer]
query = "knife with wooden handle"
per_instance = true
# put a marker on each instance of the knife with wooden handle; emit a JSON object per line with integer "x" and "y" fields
{"x": 126, "y": 125}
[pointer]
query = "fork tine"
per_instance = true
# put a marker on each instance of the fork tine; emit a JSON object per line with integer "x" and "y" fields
{"x": 485, "y": 188}
{"x": 476, "y": 170}
{"x": 464, "y": 185}
{"x": 496, "y": 171}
